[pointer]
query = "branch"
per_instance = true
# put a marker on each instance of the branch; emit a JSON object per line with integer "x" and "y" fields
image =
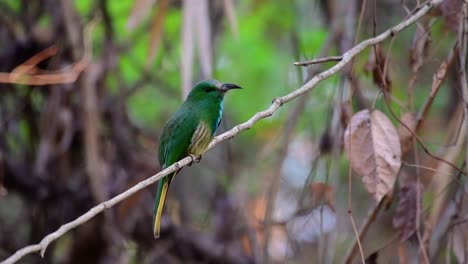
{"x": 28, "y": 74}
{"x": 277, "y": 103}
{"x": 69, "y": 75}
{"x": 317, "y": 61}
{"x": 29, "y": 65}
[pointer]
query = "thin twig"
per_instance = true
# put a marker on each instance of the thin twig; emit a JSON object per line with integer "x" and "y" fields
{"x": 32, "y": 62}
{"x": 53, "y": 77}
{"x": 350, "y": 73}
{"x": 420, "y": 142}
{"x": 276, "y": 104}
{"x": 365, "y": 228}
{"x": 317, "y": 61}
{"x": 425, "y": 168}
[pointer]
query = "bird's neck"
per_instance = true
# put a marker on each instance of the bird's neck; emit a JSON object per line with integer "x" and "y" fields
{"x": 209, "y": 110}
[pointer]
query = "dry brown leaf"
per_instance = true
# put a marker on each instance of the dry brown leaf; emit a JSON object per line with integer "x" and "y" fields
{"x": 323, "y": 192}
{"x": 406, "y": 138}
{"x": 404, "y": 219}
{"x": 373, "y": 149}
{"x": 157, "y": 30}
{"x": 345, "y": 114}
{"x": 139, "y": 10}
{"x": 376, "y": 65}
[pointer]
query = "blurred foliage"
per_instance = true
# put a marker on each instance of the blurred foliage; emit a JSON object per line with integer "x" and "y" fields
{"x": 264, "y": 49}
{"x": 233, "y": 177}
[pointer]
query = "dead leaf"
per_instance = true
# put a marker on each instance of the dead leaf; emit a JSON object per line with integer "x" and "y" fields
{"x": 346, "y": 113}
{"x": 322, "y": 192}
{"x": 373, "y": 149}
{"x": 376, "y": 65}
{"x": 404, "y": 219}
{"x": 139, "y": 10}
{"x": 406, "y": 138}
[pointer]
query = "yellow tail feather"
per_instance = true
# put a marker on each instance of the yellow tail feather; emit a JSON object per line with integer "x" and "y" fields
{"x": 157, "y": 218}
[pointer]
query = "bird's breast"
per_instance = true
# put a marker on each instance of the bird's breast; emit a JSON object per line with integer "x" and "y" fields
{"x": 201, "y": 139}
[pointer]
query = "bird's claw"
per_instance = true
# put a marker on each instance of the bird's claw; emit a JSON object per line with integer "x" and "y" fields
{"x": 195, "y": 159}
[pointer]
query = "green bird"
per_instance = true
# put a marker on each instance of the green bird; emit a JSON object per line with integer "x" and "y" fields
{"x": 189, "y": 132}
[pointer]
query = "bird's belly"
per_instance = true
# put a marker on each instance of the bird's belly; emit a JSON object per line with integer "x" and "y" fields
{"x": 200, "y": 140}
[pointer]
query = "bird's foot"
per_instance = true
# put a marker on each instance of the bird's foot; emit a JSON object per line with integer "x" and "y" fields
{"x": 195, "y": 159}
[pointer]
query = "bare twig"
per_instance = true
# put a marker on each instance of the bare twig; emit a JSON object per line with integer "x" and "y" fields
{"x": 31, "y": 63}
{"x": 277, "y": 103}
{"x": 425, "y": 168}
{"x": 420, "y": 142}
{"x": 53, "y": 77}
{"x": 317, "y": 61}
{"x": 350, "y": 20}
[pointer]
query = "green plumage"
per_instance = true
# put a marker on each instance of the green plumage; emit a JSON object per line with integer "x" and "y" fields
{"x": 189, "y": 131}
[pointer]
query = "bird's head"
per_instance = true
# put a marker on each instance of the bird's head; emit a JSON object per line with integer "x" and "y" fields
{"x": 211, "y": 89}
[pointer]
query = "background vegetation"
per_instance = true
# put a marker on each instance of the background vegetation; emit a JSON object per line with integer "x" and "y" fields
{"x": 86, "y": 86}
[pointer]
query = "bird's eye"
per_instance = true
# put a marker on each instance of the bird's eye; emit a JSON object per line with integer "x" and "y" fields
{"x": 209, "y": 89}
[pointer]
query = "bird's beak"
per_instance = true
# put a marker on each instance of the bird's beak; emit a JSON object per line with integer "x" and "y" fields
{"x": 229, "y": 86}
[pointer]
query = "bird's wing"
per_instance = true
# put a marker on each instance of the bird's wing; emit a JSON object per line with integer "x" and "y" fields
{"x": 176, "y": 136}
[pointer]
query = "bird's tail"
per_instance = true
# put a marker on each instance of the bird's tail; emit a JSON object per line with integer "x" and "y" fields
{"x": 163, "y": 186}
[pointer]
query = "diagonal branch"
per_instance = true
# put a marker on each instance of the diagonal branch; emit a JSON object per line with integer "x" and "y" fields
{"x": 317, "y": 61}
{"x": 276, "y": 104}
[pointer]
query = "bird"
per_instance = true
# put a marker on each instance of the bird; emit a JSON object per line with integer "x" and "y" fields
{"x": 188, "y": 133}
